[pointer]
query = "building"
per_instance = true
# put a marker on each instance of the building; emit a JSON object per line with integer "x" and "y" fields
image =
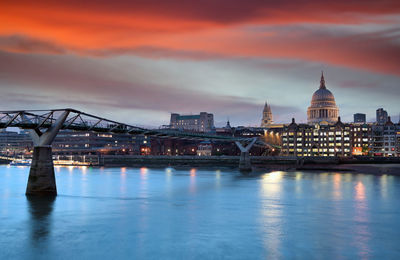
{"x": 267, "y": 118}
{"x": 377, "y": 148}
{"x": 317, "y": 139}
{"x": 69, "y": 142}
{"x": 341, "y": 139}
{"x": 204, "y": 148}
{"x": 361, "y": 138}
{"x": 381, "y": 116}
{"x": 398, "y": 140}
{"x": 360, "y": 118}
{"x": 385, "y": 139}
{"x": 390, "y": 139}
{"x": 323, "y": 106}
{"x": 204, "y": 122}
{"x": 14, "y": 143}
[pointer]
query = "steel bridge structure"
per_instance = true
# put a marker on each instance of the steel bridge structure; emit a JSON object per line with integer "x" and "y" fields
{"x": 43, "y": 126}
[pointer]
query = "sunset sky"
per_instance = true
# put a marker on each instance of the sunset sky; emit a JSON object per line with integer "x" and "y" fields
{"x": 138, "y": 61}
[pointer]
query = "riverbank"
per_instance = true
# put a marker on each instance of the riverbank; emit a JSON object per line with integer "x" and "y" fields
{"x": 372, "y": 165}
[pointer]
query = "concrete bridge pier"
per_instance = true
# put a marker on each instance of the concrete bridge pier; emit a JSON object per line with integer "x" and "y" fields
{"x": 42, "y": 181}
{"x": 244, "y": 162}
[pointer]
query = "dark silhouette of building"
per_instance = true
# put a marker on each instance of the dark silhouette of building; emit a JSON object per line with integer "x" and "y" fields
{"x": 359, "y": 118}
{"x": 381, "y": 116}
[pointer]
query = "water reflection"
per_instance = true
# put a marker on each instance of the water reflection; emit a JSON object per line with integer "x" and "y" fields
{"x": 218, "y": 178}
{"x": 271, "y": 212}
{"x": 361, "y": 217}
{"x": 40, "y": 209}
{"x": 123, "y": 184}
{"x": 383, "y": 184}
{"x": 143, "y": 188}
{"x": 152, "y": 213}
{"x": 299, "y": 182}
{"x": 271, "y": 184}
{"x": 192, "y": 186}
{"x": 360, "y": 194}
{"x": 337, "y": 190}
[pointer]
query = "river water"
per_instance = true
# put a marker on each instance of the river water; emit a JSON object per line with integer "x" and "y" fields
{"x": 140, "y": 213}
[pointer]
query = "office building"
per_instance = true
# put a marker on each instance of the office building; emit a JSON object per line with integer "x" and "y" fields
{"x": 359, "y": 118}
{"x": 381, "y": 116}
{"x": 203, "y": 122}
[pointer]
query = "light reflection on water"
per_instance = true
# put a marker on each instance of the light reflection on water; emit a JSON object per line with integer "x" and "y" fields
{"x": 169, "y": 213}
{"x": 272, "y": 212}
{"x": 337, "y": 179}
{"x": 361, "y": 221}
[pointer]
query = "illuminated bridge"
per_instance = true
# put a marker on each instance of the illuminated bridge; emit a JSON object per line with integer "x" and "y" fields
{"x": 43, "y": 126}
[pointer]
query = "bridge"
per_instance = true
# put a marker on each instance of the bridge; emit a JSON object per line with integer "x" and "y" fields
{"x": 43, "y": 126}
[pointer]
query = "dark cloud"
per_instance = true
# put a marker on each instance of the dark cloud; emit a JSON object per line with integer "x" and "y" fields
{"x": 228, "y": 11}
{"x": 67, "y": 83}
{"x": 22, "y": 43}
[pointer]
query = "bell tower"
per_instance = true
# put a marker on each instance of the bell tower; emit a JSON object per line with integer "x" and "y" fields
{"x": 267, "y": 118}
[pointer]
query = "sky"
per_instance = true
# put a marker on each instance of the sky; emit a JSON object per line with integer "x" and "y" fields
{"x": 138, "y": 61}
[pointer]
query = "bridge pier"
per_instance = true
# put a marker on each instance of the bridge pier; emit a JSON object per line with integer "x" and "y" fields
{"x": 244, "y": 162}
{"x": 42, "y": 180}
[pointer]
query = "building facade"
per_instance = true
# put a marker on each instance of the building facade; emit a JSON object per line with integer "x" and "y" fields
{"x": 14, "y": 143}
{"x": 360, "y": 118}
{"x": 84, "y": 143}
{"x": 341, "y": 139}
{"x": 204, "y": 122}
{"x": 390, "y": 139}
{"x": 381, "y": 116}
{"x": 317, "y": 139}
{"x": 323, "y": 106}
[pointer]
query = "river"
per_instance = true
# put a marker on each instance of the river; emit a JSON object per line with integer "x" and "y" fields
{"x": 141, "y": 213}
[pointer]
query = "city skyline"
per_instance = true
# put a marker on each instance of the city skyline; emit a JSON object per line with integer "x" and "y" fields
{"x": 139, "y": 62}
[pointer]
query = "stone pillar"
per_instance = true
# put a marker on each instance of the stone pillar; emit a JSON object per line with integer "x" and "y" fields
{"x": 41, "y": 176}
{"x": 244, "y": 163}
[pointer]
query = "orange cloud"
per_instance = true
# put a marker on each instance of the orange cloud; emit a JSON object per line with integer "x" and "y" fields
{"x": 203, "y": 29}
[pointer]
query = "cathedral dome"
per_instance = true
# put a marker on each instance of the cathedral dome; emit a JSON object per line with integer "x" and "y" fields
{"x": 323, "y": 106}
{"x": 322, "y": 95}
